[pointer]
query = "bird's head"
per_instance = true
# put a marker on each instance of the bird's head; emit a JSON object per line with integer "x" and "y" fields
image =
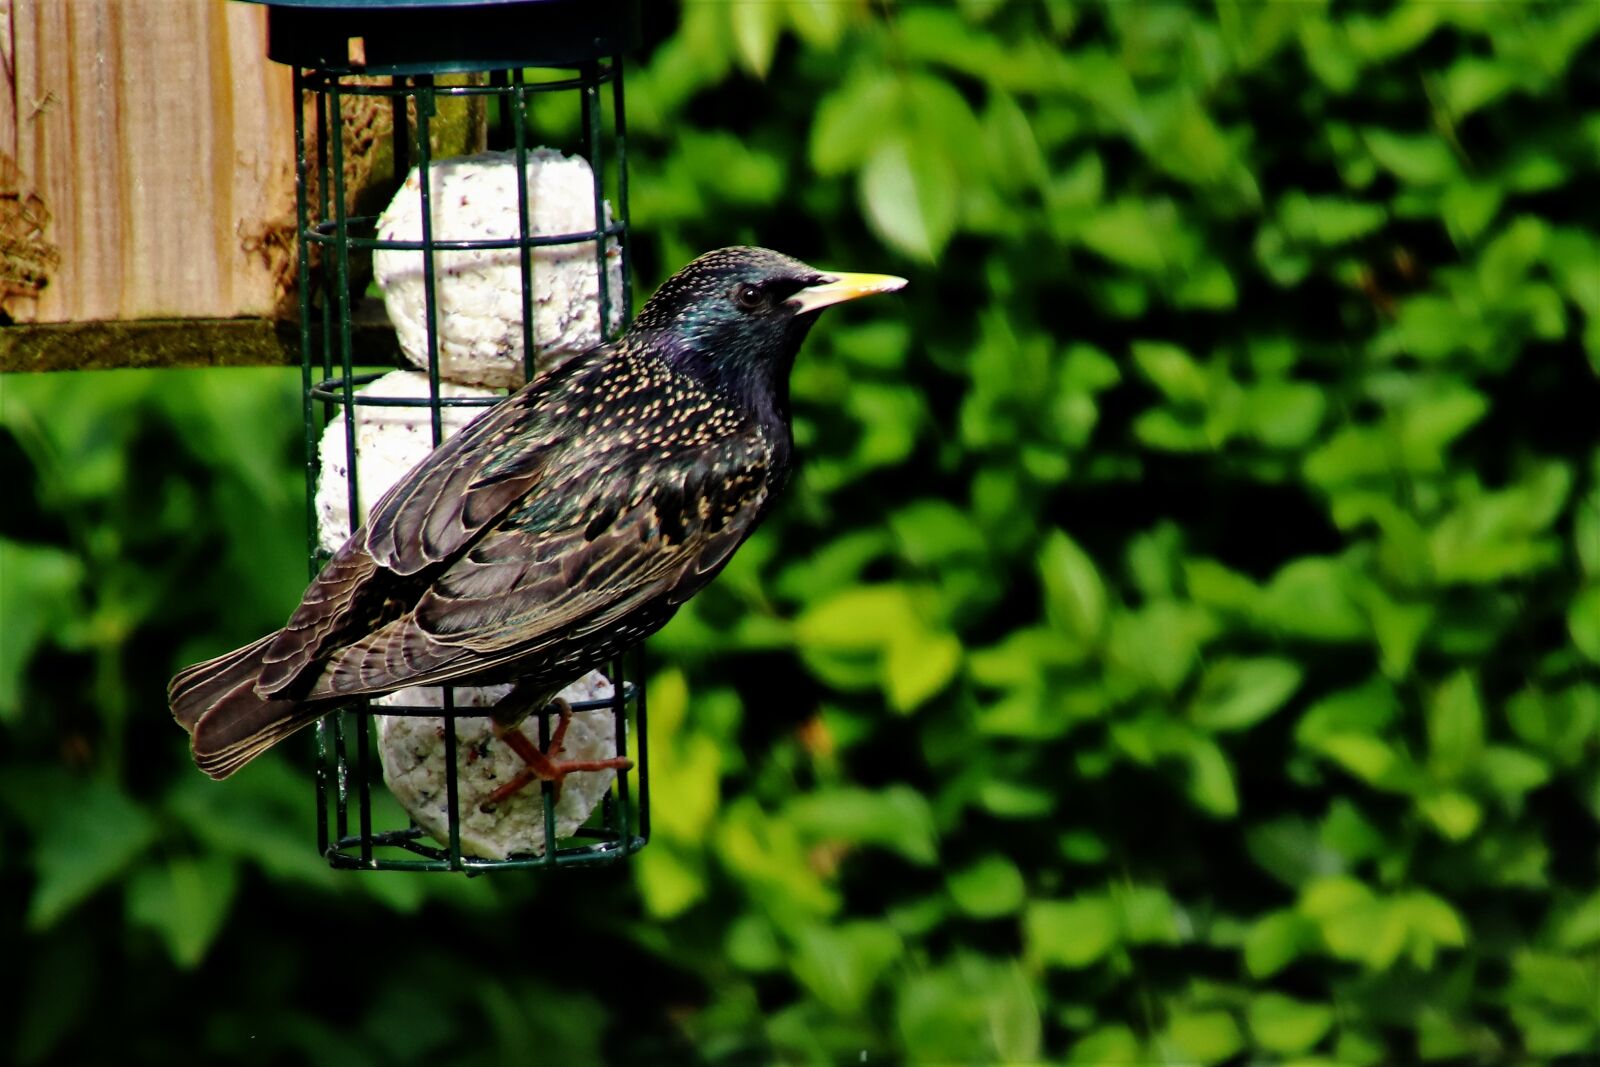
{"x": 736, "y": 317}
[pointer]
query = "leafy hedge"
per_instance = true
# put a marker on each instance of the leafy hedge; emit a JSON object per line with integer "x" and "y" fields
{"x": 1178, "y": 646}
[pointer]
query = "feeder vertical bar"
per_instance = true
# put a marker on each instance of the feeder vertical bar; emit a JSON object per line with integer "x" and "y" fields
{"x": 342, "y": 772}
{"x": 326, "y": 128}
{"x": 430, "y": 296}
{"x": 399, "y": 129}
{"x": 336, "y": 334}
{"x": 342, "y": 309}
{"x": 547, "y": 794}
{"x": 452, "y": 787}
{"x": 590, "y": 92}
{"x": 619, "y": 716}
{"x": 303, "y": 285}
{"x": 642, "y": 740}
{"x": 619, "y": 121}
{"x": 519, "y": 134}
{"x": 425, "y": 101}
{"x": 363, "y": 779}
{"x": 302, "y": 221}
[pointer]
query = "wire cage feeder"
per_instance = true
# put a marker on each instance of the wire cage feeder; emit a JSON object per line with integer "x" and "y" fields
{"x": 403, "y": 86}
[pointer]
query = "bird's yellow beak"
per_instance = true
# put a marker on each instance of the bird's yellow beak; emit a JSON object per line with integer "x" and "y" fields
{"x": 838, "y": 288}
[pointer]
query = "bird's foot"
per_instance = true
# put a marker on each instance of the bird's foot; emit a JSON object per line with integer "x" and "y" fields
{"x": 543, "y": 766}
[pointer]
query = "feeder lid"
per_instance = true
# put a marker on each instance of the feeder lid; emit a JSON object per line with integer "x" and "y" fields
{"x": 446, "y": 36}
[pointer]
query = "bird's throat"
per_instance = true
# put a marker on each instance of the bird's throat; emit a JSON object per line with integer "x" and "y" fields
{"x": 753, "y": 380}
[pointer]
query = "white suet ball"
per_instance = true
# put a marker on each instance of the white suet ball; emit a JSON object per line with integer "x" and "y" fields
{"x": 389, "y": 442}
{"x": 479, "y": 293}
{"x": 411, "y": 748}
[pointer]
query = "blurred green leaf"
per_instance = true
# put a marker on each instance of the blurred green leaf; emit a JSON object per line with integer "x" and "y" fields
{"x": 1421, "y": 159}
{"x": 186, "y": 901}
{"x": 867, "y": 617}
{"x": 1139, "y": 236}
{"x": 1235, "y": 694}
{"x": 1070, "y": 933}
{"x": 1158, "y": 644}
{"x": 1394, "y": 33}
{"x": 934, "y": 531}
{"x": 908, "y": 191}
{"x": 989, "y": 888}
{"x": 975, "y": 1009}
{"x": 1276, "y": 940}
{"x": 1328, "y": 221}
{"x": 1075, "y": 596}
{"x": 1204, "y": 1037}
{"x": 1291, "y": 850}
{"x": 768, "y": 855}
{"x": 1453, "y": 813}
{"x": 1455, "y": 727}
{"x": 918, "y": 665}
{"x": 841, "y": 965}
{"x": 1011, "y": 800}
{"x": 1581, "y": 926}
{"x": 1173, "y": 371}
{"x": 896, "y": 818}
{"x": 1511, "y": 773}
{"x": 260, "y": 816}
{"x": 1583, "y": 622}
{"x": 1472, "y": 82}
{"x": 1283, "y": 1024}
{"x": 1014, "y": 153}
{"x": 1211, "y": 780}
{"x": 38, "y": 594}
{"x": 1285, "y": 414}
{"x": 1108, "y": 1044}
{"x": 1553, "y": 1001}
{"x": 669, "y": 881}
{"x": 91, "y": 834}
{"x": 1558, "y": 724}
{"x": 1311, "y": 597}
{"x": 755, "y": 31}
{"x": 1147, "y": 915}
{"x": 849, "y": 122}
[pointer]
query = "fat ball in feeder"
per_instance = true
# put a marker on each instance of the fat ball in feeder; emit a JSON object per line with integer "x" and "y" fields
{"x": 478, "y": 306}
{"x": 381, "y": 87}
{"x": 548, "y": 536}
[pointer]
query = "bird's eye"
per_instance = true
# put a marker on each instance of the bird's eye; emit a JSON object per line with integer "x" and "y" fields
{"x": 748, "y": 297}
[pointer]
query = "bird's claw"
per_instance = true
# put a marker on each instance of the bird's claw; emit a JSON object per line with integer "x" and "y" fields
{"x": 542, "y": 766}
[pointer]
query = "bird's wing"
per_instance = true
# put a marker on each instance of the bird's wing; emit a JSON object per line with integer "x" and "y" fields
{"x": 553, "y": 583}
{"x": 467, "y": 482}
{"x": 426, "y": 517}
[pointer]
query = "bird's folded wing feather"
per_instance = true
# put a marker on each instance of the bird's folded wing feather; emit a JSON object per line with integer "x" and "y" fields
{"x": 466, "y": 483}
{"x": 429, "y": 514}
{"x": 551, "y": 582}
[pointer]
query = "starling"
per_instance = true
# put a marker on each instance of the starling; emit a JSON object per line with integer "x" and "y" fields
{"x": 555, "y": 532}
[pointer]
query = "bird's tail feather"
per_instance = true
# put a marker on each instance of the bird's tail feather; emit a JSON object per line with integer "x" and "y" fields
{"x": 229, "y": 723}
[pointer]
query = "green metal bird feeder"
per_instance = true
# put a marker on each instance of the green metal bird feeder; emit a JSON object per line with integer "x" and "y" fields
{"x": 496, "y": 256}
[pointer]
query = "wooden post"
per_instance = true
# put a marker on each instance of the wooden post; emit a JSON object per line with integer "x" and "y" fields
{"x": 154, "y": 141}
{"x": 147, "y": 211}
{"x": 146, "y": 176}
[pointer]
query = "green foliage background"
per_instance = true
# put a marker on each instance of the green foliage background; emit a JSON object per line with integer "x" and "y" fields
{"x": 1179, "y": 644}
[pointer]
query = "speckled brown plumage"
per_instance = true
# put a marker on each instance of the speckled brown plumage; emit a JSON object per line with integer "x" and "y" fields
{"x": 558, "y": 530}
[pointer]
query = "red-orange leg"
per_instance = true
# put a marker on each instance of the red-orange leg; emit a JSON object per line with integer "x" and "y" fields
{"x": 541, "y": 767}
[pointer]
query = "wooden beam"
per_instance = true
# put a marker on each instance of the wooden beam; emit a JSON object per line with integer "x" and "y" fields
{"x": 157, "y": 140}
{"x": 175, "y": 343}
